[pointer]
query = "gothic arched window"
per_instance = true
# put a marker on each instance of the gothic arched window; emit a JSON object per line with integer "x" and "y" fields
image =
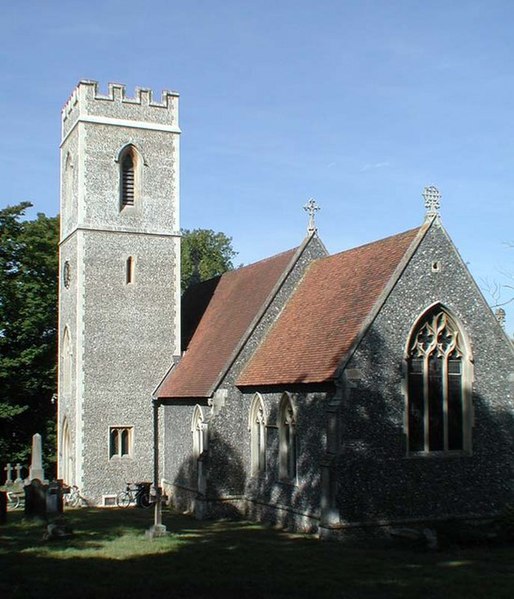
{"x": 257, "y": 426}
{"x": 438, "y": 370}
{"x": 198, "y": 428}
{"x": 68, "y": 178}
{"x": 121, "y": 440}
{"x": 66, "y": 362}
{"x": 128, "y": 161}
{"x": 287, "y": 439}
{"x": 66, "y": 464}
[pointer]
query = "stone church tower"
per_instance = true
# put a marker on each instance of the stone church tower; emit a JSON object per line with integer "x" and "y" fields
{"x": 119, "y": 323}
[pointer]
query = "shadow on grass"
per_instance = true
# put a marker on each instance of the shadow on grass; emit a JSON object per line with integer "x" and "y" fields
{"x": 108, "y": 556}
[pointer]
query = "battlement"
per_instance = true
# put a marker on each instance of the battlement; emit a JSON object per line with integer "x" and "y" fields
{"x": 87, "y": 101}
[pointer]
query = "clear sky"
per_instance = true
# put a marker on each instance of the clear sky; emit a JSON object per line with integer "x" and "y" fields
{"x": 357, "y": 103}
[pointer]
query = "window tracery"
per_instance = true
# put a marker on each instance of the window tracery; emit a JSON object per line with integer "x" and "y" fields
{"x": 438, "y": 414}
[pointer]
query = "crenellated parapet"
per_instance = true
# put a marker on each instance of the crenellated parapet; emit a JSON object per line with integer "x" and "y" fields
{"x": 87, "y": 104}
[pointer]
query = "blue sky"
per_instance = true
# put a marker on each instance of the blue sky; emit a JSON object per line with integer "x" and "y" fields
{"x": 359, "y": 104}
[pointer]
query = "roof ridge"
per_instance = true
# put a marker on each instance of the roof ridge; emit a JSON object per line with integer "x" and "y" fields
{"x": 376, "y": 241}
{"x": 262, "y": 260}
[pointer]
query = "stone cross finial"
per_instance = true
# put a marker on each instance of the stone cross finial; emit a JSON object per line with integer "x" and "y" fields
{"x": 311, "y": 207}
{"x": 432, "y": 199}
{"x": 8, "y": 469}
{"x": 18, "y": 473}
{"x": 500, "y": 316}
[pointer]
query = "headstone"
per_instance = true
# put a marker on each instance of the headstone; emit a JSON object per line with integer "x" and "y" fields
{"x": 36, "y": 465}
{"x": 54, "y": 503}
{"x": 18, "y": 478}
{"x": 8, "y": 479}
{"x": 35, "y": 499}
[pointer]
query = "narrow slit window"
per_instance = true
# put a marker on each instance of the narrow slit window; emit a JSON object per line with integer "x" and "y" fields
{"x": 129, "y": 270}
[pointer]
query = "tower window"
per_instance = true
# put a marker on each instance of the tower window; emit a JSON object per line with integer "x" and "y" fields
{"x": 128, "y": 165}
{"x": 120, "y": 441}
{"x": 129, "y": 270}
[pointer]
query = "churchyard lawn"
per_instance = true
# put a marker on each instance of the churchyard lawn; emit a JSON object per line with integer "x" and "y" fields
{"x": 109, "y": 556}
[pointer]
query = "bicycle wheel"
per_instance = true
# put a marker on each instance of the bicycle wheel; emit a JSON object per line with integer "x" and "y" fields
{"x": 13, "y": 501}
{"x": 74, "y": 500}
{"x": 123, "y": 499}
{"x": 144, "y": 500}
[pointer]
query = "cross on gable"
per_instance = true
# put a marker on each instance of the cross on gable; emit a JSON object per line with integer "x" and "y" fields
{"x": 311, "y": 207}
{"x": 432, "y": 199}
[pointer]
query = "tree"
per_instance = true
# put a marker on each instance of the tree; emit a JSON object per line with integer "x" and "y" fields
{"x": 205, "y": 254}
{"x": 28, "y": 331}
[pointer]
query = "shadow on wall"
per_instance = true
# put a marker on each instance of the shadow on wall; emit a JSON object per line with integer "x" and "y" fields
{"x": 213, "y": 484}
{"x": 292, "y": 503}
{"x": 377, "y": 480}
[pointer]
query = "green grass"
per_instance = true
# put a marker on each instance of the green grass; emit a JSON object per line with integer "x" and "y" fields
{"x": 109, "y": 556}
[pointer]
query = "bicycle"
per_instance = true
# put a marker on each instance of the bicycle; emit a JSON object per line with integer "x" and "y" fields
{"x": 72, "y": 498}
{"x": 135, "y": 493}
{"x": 13, "y": 500}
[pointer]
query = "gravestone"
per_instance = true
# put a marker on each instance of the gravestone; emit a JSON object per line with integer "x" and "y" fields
{"x": 8, "y": 469}
{"x": 36, "y": 465}
{"x": 35, "y": 499}
{"x": 18, "y": 478}
{"x": 54, "y": 503}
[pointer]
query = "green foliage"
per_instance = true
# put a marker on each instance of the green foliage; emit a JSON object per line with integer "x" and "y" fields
{"x": 28, "y": 329}
{"x": 205, "y": 254}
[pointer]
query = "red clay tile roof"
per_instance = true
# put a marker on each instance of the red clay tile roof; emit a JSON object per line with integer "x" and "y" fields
{"x": 324, "y": 317}
{"x": 235, "y": 300}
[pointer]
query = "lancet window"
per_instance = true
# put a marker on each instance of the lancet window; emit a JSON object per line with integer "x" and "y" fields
{"x": 257, "y": 427}
{"x": 120, "y": 441}
{"x": 198, "y": 431}
{"x": 128, "y": 176}
{"x": 287, "y": 440}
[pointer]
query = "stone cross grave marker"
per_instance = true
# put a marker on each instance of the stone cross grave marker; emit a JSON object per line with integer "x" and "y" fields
{"x": 8, "y": 479}
{"x": 18, "y": 478}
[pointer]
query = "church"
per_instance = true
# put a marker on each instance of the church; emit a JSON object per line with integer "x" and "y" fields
{"x": 323, "y": 393}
